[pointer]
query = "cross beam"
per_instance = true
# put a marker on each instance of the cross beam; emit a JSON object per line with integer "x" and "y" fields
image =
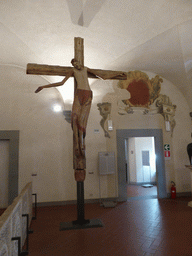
{"x": 49, "y": 70}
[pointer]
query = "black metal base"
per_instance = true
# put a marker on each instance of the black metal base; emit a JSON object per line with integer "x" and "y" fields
{"x": 24, "y": 253}
{"x": 94, "y": 223}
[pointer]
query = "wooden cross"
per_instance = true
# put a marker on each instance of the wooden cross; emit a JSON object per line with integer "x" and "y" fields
{"x": 79, "y": 160}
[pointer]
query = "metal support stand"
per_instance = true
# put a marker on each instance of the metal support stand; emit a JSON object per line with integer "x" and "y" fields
{"x": 35, "y": 217}
{"x": 81, "y": 222}
{"x": 27, "y": 231}
{"x": 18, "y": 238}
{"x": 80, "y": 205}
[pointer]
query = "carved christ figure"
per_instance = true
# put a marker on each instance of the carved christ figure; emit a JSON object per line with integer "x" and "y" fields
{"x": 80, "y": 112}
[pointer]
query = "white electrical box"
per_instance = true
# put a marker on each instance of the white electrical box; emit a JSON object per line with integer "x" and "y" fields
{"x": 106, "y": 163}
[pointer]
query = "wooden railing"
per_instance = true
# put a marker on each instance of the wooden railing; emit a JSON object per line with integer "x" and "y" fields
{"x": 14, "y": 223}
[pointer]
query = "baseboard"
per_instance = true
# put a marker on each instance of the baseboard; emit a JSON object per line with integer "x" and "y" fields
{"x": 87, "y": 201}
{"x": 99, "y": 200}
{"x": 180, "y": 194}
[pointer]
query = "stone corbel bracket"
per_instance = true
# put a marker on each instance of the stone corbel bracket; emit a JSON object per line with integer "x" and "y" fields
{"x": 167, "y": 110}
{"x": 105, "y": 110}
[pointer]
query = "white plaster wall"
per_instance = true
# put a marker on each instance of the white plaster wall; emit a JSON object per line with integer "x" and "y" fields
{"x": 45, "y": 145}
{"x": 175, "y": 167}
{"x": 181, "y": 138}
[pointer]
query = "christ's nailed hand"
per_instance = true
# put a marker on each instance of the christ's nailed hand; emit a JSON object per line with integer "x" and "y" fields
{"x": 39, "y": 89}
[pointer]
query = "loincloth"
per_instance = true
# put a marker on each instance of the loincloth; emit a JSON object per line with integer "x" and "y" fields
{"x": 81, "y": 108}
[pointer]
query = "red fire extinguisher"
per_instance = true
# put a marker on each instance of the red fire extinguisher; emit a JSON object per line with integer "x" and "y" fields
{"x": 173, "y": 190}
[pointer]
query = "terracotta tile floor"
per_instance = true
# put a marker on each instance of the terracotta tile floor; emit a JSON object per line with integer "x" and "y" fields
{"x": 141, "y": 192}
{"x": 139, "y": 227}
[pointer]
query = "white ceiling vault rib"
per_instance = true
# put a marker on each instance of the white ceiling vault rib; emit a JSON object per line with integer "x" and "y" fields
{"x": 121, "y": 35}
{"x": 13, "y": 50}
{"x": 83, "y": 11}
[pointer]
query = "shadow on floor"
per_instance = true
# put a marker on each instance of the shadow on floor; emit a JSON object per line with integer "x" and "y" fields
{"x": 137, "y": 192}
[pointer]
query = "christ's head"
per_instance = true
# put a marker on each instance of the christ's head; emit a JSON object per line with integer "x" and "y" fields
{"x": 76, "y": 64}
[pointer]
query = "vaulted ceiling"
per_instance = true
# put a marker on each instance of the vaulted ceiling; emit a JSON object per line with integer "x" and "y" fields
{"x": 149, "y": 35}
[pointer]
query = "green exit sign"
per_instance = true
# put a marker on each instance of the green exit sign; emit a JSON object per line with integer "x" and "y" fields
{"x": 166, "y": 147}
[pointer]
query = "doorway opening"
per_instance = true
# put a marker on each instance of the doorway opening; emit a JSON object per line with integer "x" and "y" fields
{"x": 141, "y": 176}
{"x": 122, "y": 135}
{"x": 9, "y": 166}
{"x": 4, "y": 172}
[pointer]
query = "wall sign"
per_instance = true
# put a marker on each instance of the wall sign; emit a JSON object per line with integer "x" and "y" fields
{"x": 96, "y": 130}
{"x": 167, "y": 153}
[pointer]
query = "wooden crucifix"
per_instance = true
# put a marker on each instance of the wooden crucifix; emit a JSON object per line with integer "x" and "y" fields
{"x": 80, "y": 111}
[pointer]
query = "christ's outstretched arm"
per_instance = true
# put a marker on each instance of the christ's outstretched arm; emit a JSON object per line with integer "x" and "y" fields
{"x": 55, "y": 84}
{"x": 106, "y": 76}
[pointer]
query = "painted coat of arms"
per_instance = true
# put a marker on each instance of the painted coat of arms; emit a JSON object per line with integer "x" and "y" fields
{"x": 144, "y": 91}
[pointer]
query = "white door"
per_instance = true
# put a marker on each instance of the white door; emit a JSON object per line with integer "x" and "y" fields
{"x": 4, "y": 170}
{"x": 146, "y": 165}
{"x": 146, "y": 174}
